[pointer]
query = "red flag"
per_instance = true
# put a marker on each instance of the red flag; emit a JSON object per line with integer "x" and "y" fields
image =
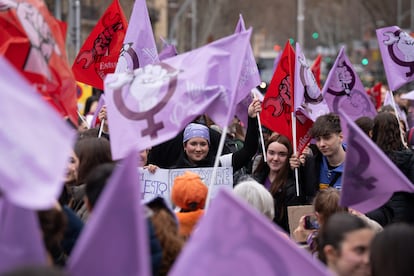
{"x": 316, "y": 69}
{"x": 99, "y": 54}
{"x": 278, "y": 102}
{"x": 31, "y": 39}
{"x": 375, "y": 94}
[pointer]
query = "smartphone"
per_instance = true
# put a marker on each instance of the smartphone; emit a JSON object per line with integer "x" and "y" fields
{"x": 311, "y": 222}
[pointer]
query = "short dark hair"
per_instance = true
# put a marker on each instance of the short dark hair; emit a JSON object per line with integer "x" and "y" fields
{"x": 365, "y": 123}
{"x": 326, "y": 124}
{"x": 96, "y": 182}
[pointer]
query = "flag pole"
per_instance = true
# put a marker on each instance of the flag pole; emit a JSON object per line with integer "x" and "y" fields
{"x": 260, "y": 130}
{"x": 216, "y": 164}
{"x": 295, "y": 150}
{"x": 101, "y": 128}
{"x": 83, "y": 119}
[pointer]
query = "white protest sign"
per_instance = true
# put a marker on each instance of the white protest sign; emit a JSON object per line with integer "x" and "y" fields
{"x": 160, "y": 183}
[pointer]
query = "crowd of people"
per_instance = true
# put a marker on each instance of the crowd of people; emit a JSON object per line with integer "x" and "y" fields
{"x": 345, "y": 240}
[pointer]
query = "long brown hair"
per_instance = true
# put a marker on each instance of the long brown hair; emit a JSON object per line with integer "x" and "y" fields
{"x": 283, "y": 174}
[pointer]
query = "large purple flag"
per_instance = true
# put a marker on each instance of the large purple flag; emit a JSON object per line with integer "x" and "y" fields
{"x": 343, "y": 90}
{"x": 115, "y": 240}
{"x": 168, "y": 50}
{"x": 370, "y": 177}
{"x": 308, "y": 96}
{"x": 154, "y": 103}
{"x": 21, "y": 240}
{"x": 397, "y": 52}
{"x": 249, "y": 79}
{"x": 234, "y": 239}
{"x": 139, "y": 47}
{"x": 35, "y": 141}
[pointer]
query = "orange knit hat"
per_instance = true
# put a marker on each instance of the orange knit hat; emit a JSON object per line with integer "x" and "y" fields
{"x": 189, "y": 192}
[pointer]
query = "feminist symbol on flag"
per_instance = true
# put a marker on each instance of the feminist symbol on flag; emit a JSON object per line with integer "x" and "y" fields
{"x": 128, "y": 59}
{"x": 405, "y": 45}
{"x": 344, "y": 82}
{"x": 151, "y": 88}
{"x": 358, "y": 168}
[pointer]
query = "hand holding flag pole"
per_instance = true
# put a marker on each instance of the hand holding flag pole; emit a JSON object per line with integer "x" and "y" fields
{"x": 260, "y": 131}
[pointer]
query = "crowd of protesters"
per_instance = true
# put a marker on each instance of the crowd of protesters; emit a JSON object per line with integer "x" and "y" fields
{"x": 341, "y": 238}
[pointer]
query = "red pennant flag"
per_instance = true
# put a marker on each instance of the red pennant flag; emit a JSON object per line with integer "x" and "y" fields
{"x": 278, "y": 102}
{"x": 31, "y": 39}
{"x": 375, "y": 94}
{"x": 99, "y": 54}
{"x": 316, "y": 69}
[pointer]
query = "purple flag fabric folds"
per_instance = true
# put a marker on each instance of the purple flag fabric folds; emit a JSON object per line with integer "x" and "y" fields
{"x": 139, "y": 47}
{"x": 249, "y": 79}
{"x": 21, "y": 242}
{"x": 234, "y": 239}
{"x": 115, "y": 241}
{"x": 308, "y": 96}
{"x": 154, "y": 103}
{"x": 397, "y": 48}
{"x": 168, "y": 50}
{"x": 35, "y": 141}
{"x": 370, "y": 177}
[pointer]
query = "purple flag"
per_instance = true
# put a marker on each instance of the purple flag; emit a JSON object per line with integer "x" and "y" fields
{"x": 343, "y": 90}
{"x": 234, "y": 239}
{"x": 139, "y": 47}
{"x": 249, "y": 79}
{"x": 114, "y": 241}
{"x": 35, "y": 141}
{"x": 168, "y": 50}
{"x": 101, "y": 103}
{"x": 21, "y": 240}
{"x": 154, "y": 103}
{"x": 397, "y": 52}
{"x": 370, "y": 177}
{"x": 308, "y": 96}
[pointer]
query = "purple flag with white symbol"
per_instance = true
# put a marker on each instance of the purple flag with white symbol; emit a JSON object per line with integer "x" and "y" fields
{"x": 154, "y": 103}
{"x": 168, "y": 50}
{"x": 21, "y": 242}
{"x": 249, "y": 79}
{"x": 101, "y": 103}
{"x": 139, "y": 47}
{"x": 308, "y": 96}
{"x": 35, "y": 141}
{"x": 234, "y": 239}
{"x": 397, "y": 52}
{"x": 343, "y": 90}
{"x": 370, "y": 177}
{"x": 115, "y": 241}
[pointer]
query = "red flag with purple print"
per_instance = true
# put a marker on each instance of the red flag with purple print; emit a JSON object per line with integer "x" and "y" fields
{"x": 278, "y": 103}
{"x": 343, "y": 90}
{"x": 154, "y": 103}
{"x": 99, "y": 54}
{"x": 370, "y": 177}
{"x": 397, "y": 52}
{"x": 234, "y": 239}
{"x": 139, "y": 47}
{"x": 250, "y": 78}
{"x": 33, "y": 41}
